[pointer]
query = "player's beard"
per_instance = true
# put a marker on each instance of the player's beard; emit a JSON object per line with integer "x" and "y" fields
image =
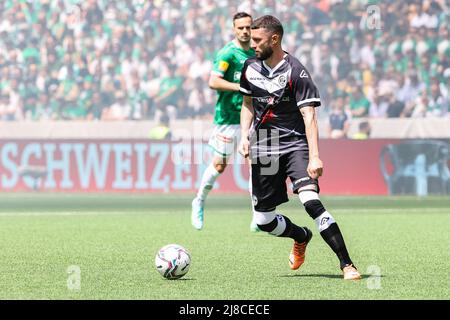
{"x": 265, "y": 54}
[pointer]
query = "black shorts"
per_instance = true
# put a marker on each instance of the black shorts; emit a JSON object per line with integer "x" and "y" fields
{"x": 269, "y": 176}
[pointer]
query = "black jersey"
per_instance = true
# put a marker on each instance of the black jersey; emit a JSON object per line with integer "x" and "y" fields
{"x": 277, "y": 95}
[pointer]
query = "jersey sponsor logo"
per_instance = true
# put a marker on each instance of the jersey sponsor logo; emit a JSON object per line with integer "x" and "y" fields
{"x": 303, "y": 74}
{"x": 265, "y": 99}
{"x": 270, "y": 99}
{"x": 257, "y": 78}
{"x": 270, "y": 85}
{"x": 223, "y": 65}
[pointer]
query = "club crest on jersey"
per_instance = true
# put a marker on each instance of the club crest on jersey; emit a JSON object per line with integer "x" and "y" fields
{"x": 282, "y": 80}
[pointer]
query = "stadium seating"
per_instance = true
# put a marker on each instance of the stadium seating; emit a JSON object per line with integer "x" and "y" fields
{"x": 116, "y": 60}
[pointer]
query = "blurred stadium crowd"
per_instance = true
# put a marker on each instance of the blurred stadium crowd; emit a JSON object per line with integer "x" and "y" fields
{"x": 140, "y": 59}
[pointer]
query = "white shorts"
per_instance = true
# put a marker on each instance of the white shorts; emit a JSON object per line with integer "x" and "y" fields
{"x": 225, "y": 138}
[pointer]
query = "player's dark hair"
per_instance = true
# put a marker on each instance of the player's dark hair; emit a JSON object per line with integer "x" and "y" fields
{"x": 269, "y": 23}
{"x": 164, "y": 119}
{"x": 241, "y": 15}
{"x": 364, "y": 125}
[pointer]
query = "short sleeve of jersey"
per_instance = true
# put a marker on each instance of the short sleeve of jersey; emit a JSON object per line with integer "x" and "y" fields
{"x": 244, "y": 85}
{"x": 306, "y": 92}
{"x": 221, "y": 63}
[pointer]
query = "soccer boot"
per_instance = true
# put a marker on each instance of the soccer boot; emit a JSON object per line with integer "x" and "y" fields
{"x": 297, "y": 256}
{"x": 197, "y": 214}
{"x": 350, "y": 272}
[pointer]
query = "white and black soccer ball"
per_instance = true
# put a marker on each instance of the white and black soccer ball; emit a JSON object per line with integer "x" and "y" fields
{"x": 172, "y": 261}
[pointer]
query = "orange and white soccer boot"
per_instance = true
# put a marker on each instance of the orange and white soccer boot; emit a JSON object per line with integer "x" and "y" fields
{"x": 351, "y": 273}
{"x": 297, "y": 256}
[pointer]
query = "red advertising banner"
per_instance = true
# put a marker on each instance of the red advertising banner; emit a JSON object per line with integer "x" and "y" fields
{"x": 369, "y": 167}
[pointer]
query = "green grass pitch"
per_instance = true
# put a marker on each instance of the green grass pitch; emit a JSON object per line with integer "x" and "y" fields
{"x": 400, "y": 245}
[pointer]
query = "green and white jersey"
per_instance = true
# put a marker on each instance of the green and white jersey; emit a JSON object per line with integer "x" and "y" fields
{"x": 228, "y": 65}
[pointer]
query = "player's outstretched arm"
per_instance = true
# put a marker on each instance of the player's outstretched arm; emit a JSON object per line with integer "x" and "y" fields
{"x": 218, "y": 83}
{"x": 247, "y": 114}
{"x": 315, "y": 165}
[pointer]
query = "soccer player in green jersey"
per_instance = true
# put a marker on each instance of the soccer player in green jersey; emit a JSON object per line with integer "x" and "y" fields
{"x": 225, "y": 78}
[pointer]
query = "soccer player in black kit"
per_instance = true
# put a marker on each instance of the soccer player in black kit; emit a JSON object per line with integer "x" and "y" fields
{"x": 280, "y": 134}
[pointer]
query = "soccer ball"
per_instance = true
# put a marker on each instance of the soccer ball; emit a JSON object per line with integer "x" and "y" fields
{"x": 172, "y": 261}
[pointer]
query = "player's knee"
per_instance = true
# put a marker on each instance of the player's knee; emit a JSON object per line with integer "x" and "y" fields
{"x": 220, "y": 167}
{"x": 310, "y": 199}
{"x": 320, "y": 215}
{"x": 314, "y": 208}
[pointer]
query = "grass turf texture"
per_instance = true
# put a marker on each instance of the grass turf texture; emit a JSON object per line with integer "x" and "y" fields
{"x": 113, "y": 239}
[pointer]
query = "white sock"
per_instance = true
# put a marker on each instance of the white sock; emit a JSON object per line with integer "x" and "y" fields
{"x": 209, "y": 177}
